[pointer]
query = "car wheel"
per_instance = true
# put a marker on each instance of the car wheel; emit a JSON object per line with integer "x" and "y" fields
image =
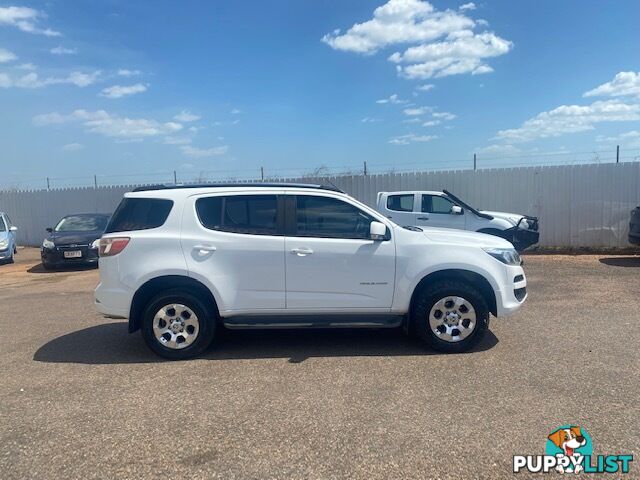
{"x": 450, "y": 316}
{"x": 177, "y": 325}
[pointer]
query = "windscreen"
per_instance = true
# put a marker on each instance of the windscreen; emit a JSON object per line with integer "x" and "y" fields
{"x": 82, "y": 223}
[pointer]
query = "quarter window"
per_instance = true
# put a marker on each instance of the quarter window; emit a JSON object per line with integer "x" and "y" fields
{"x": 400, "y": 203}
{"x": 330, "y": 218}
{"x": 253, "y": 214}
{"x": 139, "y": 214}
{"x": 436, "y": 204}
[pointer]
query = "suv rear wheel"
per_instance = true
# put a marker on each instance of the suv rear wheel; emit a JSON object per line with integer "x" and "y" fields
{"x": 450, "y": 316}
{"x": 178, "y": 325}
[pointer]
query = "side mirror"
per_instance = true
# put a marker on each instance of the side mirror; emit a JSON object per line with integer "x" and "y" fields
{"x": 377, "y": 231}
{"x": 13, "y": 228}
{"x": 456, "y": 210}
{"x": 49, "y": 229}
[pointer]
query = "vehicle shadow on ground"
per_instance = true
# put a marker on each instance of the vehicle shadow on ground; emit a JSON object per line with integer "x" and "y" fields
{"x": 39, "y": 268}
{"x": 621, "y": 261}
{"x": 112, "y": 344}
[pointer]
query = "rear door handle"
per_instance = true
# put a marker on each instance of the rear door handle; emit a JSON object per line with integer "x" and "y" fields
{"x": 423, "y": 218}
{"x": 204, "y": 249}
{"x": 301, "y": 252}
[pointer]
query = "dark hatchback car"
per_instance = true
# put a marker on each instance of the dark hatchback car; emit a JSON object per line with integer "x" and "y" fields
{"x": 634, "y": 226}
{"x": 73, "y": 241}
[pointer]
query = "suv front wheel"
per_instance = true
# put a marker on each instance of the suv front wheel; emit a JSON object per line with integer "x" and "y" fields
{"x": 450, "y": 316}
{"x": 178, "y": 325}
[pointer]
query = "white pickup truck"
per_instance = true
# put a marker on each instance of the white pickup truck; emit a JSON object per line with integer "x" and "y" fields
{"x": 445, "y": 210}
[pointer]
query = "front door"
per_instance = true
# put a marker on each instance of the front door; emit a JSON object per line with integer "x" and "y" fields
{"x": 331, "y": 263}
{"x": 435, "y": 211}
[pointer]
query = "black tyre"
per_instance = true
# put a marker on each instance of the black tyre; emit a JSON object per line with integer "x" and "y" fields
{"x": 178, "y": 325}
{"x": 450, "y": 316}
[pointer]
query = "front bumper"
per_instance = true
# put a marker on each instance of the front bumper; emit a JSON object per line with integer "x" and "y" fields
{"x": 6, "y": 253}
{"x": 55, "y": 256}
{"x": 634, "y": 228}
{"x": 511, "y": 297}
{"x": 524, "y": 237}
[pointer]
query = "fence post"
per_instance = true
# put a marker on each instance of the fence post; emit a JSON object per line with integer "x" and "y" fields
{"x": 365, "y": 168}
{"x": 474, "y": 162}
{"x": 262, "y": 173}
{"x": 175, "y": 178}
{"x": 617, "y": 153}
{"x": 48, "y": 187}
{"x": 95, "y": 181}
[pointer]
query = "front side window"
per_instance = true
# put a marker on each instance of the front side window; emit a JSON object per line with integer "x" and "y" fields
{"x": 436, "y": 204}
{"x": 252, "y": 214}
{"x": 400, "y": 203}
{"x": 330, "y": 218}
{"x": 3, "y": 227}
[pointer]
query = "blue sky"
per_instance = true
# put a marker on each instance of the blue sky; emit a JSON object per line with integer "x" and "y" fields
{"x": 118, "y": 88}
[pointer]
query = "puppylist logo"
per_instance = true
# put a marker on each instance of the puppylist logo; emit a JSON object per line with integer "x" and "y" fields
{"x": 569, "y": 450}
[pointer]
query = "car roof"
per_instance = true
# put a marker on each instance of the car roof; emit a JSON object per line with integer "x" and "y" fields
{"x": 239, "y": 185}
{"x": 87, "y": 215}
{"x": 413, "y": 192}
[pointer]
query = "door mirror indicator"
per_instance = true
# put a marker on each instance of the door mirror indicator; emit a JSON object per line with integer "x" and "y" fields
{"x": 13, "y": 228}
{"x": 377, "y": 231}
{"x": 456, "y": 210}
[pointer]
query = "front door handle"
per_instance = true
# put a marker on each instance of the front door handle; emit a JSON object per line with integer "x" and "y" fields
{"x": 301, "y": 252}
{"x": 423, "y": 218}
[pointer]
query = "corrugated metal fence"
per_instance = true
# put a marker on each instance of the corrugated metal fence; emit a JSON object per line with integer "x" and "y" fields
{"x": 578, "y": 205}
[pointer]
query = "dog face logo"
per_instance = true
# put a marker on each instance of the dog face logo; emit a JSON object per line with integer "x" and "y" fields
{"x": 570, "y": 441}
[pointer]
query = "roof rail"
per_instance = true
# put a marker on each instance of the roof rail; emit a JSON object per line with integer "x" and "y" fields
{"x": 147, "y": 188}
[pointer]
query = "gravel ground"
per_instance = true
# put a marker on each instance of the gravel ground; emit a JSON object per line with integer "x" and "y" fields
{"x": 81, "y": 398}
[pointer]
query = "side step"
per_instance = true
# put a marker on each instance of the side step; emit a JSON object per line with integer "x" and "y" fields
{"x": 314, "y": 321}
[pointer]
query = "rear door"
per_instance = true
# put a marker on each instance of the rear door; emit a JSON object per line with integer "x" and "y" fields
{"x": 400, "y": 207}
{"x": 331, "y": 263}
{"x": 236, "y": 243}
{"x": 435, "y": 211}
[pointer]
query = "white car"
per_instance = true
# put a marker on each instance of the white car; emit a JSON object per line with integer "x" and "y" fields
{"x": 180, "y": 262}
{"x": 445, "y": 210}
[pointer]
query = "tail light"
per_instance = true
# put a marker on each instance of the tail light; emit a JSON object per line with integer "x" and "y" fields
{"x": 112, "y": 246}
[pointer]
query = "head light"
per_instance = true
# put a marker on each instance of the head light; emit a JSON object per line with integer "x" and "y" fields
{"x": 508, "y": 256}
{"x": 95, "y": 244}
{"x": 4, "y": 243}
{"x": 48, "y": 243}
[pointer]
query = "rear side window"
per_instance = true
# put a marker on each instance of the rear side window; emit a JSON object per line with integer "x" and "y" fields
{"x": 400, "y": 203}
{"x": 139, "y": 214}
{"x": 252, "y": 214}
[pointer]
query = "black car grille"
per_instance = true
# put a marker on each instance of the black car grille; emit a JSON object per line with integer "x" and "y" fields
{"x": 72, "y": 247}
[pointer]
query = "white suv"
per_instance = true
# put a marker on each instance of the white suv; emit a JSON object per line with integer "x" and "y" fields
{"x": 179, "y": 262}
